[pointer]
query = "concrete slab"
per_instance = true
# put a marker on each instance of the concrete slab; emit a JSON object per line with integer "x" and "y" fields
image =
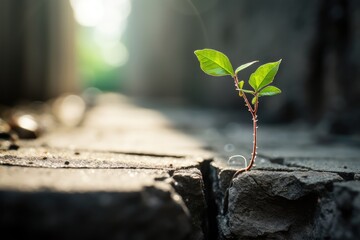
{"x": 118, "y": 153}
{"x": 64, "y": 158}
{"x": 189, "y": 184}
{"x": 29, "y": 172}
{"x": 270, "y": 203}
{"x": 329, "y": 164}
{"x": 77, "y": 180}
{"x": 42, "y": 203}
{"x": 117, "y": 125}
{"x": 163, "y": 142}
{"x": 347, "y": 221}
{"x": 128, "y": 167}
{"x": 287, "y": 198}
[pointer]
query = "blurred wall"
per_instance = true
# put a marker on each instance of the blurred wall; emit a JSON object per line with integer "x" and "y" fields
{"x": 318, "y": 41}
{"x": 37, "y": 50}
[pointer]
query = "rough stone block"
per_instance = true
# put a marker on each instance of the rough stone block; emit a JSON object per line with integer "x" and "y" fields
{"x": 41, "y": 203}
{"x": 65, "y": 158}
{"x": 274, "y": 204}
{"x": 189, "y": 184}
{"x": 278, "y": 201}
{"x": 347, "y": 221}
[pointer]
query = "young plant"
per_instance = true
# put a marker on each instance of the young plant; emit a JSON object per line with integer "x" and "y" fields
{"x": 217, "y": 64}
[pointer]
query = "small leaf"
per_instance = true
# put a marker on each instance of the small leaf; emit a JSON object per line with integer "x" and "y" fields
{"x": 264, "y": 75}
{"x": 269, "y": 91}
{"x": 214, "y": 63}
{"x": 241, "y": 84}
{"x": 253, "y": 101}
{"x": 242, "y": 67}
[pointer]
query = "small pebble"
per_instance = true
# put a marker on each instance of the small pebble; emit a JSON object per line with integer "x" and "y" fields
{"x": 13, "y": 146}
{"x": 26, "y": 126}
{"x": 5, "y": 136}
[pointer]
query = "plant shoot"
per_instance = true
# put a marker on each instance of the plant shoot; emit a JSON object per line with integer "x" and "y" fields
{"x": 217, "y": 64}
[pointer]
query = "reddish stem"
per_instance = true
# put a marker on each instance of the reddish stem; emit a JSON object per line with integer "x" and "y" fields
{"x": 253, "y": 112}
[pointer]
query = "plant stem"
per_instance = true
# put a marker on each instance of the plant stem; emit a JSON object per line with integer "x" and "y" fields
{"x": 253, "y": 112}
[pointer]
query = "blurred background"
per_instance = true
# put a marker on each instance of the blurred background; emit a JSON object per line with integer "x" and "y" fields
{"x": 144, "y": 49}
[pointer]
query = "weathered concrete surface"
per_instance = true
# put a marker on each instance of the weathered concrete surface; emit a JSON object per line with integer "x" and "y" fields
{"x": 190, "y": 185}
{"x": 42, "y": 203}
{"x": 345, "y": 166}
{"x": 347, "y": 221}
{"x": 117, "y": 125}
{"x": 299, "y": 188}
{"x": 272, "y": 204}
{"x": 288, "y": 199}
{"x": 77, "y": 180}
{"x": 92, "y": 173}
{"x": 289, "y": 193}
{"x": 125, "y": 171}
{"x": 65, "y": 158}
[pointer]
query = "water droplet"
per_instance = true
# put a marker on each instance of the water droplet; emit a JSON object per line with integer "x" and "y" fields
{"x": 237, "y": 160}
{"x": 229, "y": 147}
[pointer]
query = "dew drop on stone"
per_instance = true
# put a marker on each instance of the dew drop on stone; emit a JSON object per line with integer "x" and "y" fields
{"x": 229, "y": 147}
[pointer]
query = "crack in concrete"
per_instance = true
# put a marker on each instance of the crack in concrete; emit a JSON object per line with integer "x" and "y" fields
{"x": 210, "y": 227}
{"x": 210, "y": 222}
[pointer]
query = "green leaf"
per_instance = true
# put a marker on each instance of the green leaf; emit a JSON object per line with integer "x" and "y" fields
{"x": 269, "y": 91}
{"x": 214, "y": 63}
{"x": 264, "y": 75}
{"x": 242, "y": 67}
{"x": 253, "y": 101}
{"x": 241, "y": 84}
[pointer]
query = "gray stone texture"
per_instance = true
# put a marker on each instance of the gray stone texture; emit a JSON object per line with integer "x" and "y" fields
{"x": 347, "y": 220}
{"x": 272, "y": 204}
{"x": 275, "y": 201}
{"x": 41, "y": 203}
{"x": 124, "y": 173}
{"x": 290, "y": 192}
{"x": 30, "y": 174}
{"x": 127, "y": 173}
{"x": 65, "y": 158}
{"x": 189, "y": 184}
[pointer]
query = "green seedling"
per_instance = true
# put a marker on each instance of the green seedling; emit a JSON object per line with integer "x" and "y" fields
{"x": 217, "y": 64}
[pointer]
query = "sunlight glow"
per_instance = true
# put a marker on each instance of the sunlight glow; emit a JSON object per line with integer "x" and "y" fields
{"x": 107, "y": 16}
{"x": 88, "y": 12}
{"x": 115, "y": 55}
{"x": 107, "y": 20}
